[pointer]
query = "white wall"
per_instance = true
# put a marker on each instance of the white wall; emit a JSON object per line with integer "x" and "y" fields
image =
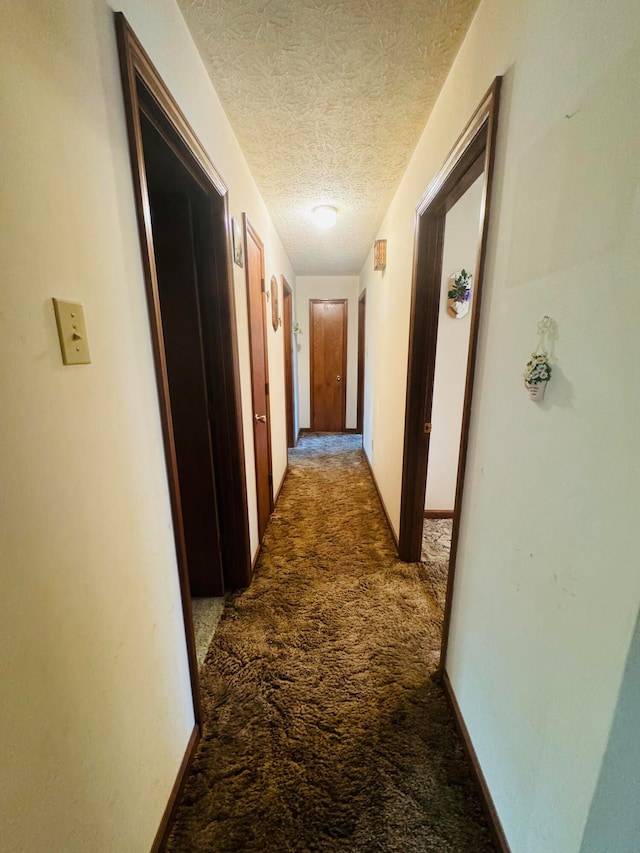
{"x": 614, "y": 818}
{"x": 327, "y": 287}
{"x": 96, "y": 708}
{"x": 547, "y": 588}
{"x": 462, "y": 225}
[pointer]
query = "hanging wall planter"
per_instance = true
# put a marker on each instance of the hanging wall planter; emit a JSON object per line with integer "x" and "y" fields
{"x": 537, "y": 373}
{"x": 459, "y": 295}
{"x": 536, "y": 390}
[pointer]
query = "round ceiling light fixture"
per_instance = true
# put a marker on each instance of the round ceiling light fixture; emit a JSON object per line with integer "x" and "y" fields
{"x": 325, "y": 215}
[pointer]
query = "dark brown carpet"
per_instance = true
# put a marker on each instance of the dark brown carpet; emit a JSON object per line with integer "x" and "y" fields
{"x": 436, "y": 548}
{"x": 323, "y": 728}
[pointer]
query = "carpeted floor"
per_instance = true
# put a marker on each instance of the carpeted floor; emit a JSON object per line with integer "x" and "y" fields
{"x": 324, "y": 730}
{"x": 206, "y": 615}
{"x": 436, "y": 547}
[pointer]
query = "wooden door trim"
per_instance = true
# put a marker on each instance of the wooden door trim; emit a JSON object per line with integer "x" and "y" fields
{"x": 486, "y": 800}
{"x": 136, "y": 62}
{"x": 136, "y": 67}
{"x": 345, "y": 327}
{"x": 248, "y": 229}
{"x": 474, "y": 150}
{"x": 287, "y": 329}
{"x": 362, "y": 301}
{"x": 166, "y": 822}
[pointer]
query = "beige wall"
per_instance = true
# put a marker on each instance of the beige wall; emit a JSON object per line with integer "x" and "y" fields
{"x": 460, "y": 250}
{"x": 96, "y": 706}
{"x": 547, "y": 588}
{"x": 327, "y": 287}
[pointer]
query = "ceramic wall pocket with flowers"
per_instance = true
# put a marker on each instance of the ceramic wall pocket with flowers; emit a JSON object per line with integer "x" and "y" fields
{"x": 536, "y": 375}
{"x": 459, "y": 294}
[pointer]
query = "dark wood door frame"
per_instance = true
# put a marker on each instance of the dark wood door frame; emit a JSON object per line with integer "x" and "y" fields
{"x": 248, "y": 229}
{"x": 362, "y": 303}
{"x": 287, "y": 330}
{"x": 343, "y": 413}
{"x": 145, "y": 91}
{"x": 472, "y": 155}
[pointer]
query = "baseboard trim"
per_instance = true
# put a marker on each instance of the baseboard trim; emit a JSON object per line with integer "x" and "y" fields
{"x": 500, "y": 840}
{"x": 438, "y": 513}
{"x": 162, "y": 835}
{"x": 380, "y": 498}
{"x": 350, "y": 431}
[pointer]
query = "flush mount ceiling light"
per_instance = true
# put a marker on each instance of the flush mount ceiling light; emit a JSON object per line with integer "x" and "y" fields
{"x": 325, "y": 215}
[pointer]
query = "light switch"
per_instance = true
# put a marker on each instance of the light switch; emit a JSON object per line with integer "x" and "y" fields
{"x": 72, "y": 332}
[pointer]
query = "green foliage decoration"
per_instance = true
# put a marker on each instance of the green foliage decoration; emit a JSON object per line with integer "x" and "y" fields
{"x": 538, "y": 369}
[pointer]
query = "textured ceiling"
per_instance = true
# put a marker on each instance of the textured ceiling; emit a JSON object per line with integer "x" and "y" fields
{"x": 328, "y": 99}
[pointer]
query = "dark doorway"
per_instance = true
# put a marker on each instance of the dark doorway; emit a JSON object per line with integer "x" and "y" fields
{"x": 256, "y": 298}
{"x": 178, "y": 221}
{"x": 328, "y": 356}
{"x": 362, "y": 312}
{"x": 287, "y": 329}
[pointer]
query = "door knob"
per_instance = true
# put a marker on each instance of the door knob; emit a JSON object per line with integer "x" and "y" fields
{"x": 262, "y": 418}
{"x": 339, "y": 378}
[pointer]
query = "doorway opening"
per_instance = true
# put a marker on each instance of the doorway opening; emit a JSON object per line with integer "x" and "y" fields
{"x": 182, "y": 213}
{"x": 180, "y": 224}
{"x": 459, "y": 257}
{"x": 452, "y": 221}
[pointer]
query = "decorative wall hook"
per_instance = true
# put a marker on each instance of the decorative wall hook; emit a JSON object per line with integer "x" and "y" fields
{"x": 537, "y": 372}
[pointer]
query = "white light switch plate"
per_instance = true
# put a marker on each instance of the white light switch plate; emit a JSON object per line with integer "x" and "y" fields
{"x": 72, "y": 332}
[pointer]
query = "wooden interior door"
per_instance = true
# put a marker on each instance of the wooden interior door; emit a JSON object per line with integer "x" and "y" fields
{"x": 287, "y": 329}
{"x": 362, "y": 302}
{"x": 328, "y": 357}
{"x": 256, "y": 299}
{"x": 181, "y": 329}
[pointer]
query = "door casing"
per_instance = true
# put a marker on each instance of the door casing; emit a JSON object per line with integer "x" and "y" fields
{"x": 144, "y": 90}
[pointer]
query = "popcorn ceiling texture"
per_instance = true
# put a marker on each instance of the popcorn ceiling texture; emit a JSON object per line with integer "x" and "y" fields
{"x": 328, "y": 99}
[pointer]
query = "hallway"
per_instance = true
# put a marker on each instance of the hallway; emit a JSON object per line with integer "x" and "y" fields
{"x": 323, "y": 730}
